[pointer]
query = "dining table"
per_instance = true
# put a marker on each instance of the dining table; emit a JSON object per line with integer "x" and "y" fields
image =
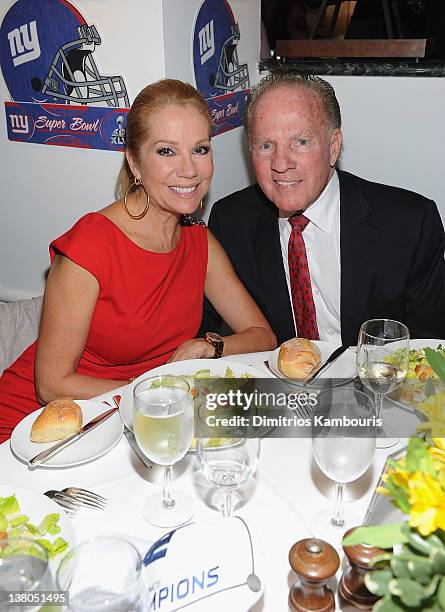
{"x": 277, "y": 503}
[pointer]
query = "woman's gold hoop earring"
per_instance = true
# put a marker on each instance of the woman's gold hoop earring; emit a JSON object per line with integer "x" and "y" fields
{"x": 202, "y": 207}
{"x": 136, "y": 182}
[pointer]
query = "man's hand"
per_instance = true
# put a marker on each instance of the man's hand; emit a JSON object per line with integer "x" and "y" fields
{"x": 193, "y": 349}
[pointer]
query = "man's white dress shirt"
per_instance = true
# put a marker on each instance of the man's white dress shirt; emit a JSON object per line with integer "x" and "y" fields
{"x": 322, "y": 240}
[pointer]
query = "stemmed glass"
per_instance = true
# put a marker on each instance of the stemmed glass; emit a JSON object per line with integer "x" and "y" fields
{"x": 228, "y": 466}
{"x": 343, "y": 444}
{"x": 163, "y": 428}
{"x": 382, "y": 364}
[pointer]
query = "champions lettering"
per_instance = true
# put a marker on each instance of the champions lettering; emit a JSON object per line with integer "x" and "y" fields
{"x": 186, "y": 587}
{"x": 43, "y": 122}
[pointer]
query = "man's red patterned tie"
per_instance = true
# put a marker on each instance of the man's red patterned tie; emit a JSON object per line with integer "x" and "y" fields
{"x": 300, "y": 281}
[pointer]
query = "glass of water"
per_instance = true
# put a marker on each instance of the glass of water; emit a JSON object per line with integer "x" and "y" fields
{"x": 24, "y": 568}
{"x": 382, "y": 364}
{"x": 104, "y": 575}
{"x": 163, "y": 428}
{"x": 228, "y": 466}
{"x": 343, "y": 445}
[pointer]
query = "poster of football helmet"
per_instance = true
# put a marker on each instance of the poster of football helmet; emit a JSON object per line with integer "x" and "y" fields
{"x": 215, "y": 51}
{"x": 47, "y": 56}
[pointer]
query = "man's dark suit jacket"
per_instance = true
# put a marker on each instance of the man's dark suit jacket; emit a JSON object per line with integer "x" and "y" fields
{"x": 391, "y": 249}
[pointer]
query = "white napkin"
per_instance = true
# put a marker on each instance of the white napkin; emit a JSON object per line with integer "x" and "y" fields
{"x": 204, "y": 566}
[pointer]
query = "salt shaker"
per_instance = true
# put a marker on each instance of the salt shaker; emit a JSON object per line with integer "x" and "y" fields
{"x": 352, "y": 590}
{"x": 315, "y": 562}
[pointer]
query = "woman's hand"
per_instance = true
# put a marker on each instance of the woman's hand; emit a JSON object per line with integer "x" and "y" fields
{"x": 193, "y": 349}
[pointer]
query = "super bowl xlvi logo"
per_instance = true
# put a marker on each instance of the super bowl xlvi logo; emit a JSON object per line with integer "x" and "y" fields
{"x": 220, "y": 76}
{"x": 118, "y": 134}
{"x": 183, "y": 590}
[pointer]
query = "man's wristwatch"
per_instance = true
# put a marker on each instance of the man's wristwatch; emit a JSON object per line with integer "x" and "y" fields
{"x": 217, "y": 342}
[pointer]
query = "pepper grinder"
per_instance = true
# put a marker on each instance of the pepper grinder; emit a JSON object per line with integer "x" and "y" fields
{"x": 352, "y": 590}
{"x": 315, "y": 561}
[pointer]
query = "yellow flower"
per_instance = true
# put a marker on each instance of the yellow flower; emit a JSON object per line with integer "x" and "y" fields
{"x": 401, "y": 479}
{"x": 427, "y": 502}
{"x": 382, "y": 491}
{"x": 440, "y": 443}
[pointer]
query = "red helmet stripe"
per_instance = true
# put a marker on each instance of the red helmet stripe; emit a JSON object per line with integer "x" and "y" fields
{"x": 74, "y": 10}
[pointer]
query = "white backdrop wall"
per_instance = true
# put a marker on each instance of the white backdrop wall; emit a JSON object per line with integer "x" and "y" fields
{"x": 394, "y": 131}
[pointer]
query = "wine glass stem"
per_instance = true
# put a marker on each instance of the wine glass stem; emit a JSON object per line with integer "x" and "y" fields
{"x": 338, "y": 519}
{"x": 168, "y": 501}
{"x": 227, "y": 505}
{"x": 378, "y": 406}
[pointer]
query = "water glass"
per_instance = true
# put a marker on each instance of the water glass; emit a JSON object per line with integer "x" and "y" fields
{"x": 228, "y": 466}
{"x": 343, "y": 445}
{"x": 163, "y": 428}
{"x": 103, "y": 575}
{"x": 24, "y": 567}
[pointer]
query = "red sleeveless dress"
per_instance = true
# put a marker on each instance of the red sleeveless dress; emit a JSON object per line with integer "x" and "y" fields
{"x": 148, "y": 304}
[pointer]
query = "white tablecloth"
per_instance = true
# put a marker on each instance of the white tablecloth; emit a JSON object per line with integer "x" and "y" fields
{"x": 279, "y": 503}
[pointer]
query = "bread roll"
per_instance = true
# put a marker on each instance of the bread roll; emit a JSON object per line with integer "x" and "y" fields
{"x": 58, "y": 420}
{"x": 298, "y": 357}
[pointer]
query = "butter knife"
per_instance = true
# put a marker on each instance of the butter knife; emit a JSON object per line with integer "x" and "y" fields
{"x": 50, "y": 452}
{"x": 332, "y": 357}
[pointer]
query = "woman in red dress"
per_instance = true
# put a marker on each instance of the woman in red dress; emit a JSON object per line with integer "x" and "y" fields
{"x": 125, "y": 290}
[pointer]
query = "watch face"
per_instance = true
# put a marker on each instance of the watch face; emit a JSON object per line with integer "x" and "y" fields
{"x": 217, "y": 342}
{"x": 213, "y": 337}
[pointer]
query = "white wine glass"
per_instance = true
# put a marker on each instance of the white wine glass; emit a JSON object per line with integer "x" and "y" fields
{"x": 163, "y": 428}
{"x": 343, "y": 445}
{"x": 382, "y": 364}
{"x": 228, "y": 466}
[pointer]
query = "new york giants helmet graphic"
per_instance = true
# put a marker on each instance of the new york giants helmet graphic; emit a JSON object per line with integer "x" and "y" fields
{"x": 46, "y": 50}
{"x": 215, "y": 54}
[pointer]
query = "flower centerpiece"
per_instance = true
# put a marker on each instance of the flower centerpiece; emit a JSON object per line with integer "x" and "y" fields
{"x": 411, "y": 575}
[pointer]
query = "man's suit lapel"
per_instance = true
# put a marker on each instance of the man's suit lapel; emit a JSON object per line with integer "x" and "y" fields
{"x": 358, "y": 255}
{"x": 267, "y": 249}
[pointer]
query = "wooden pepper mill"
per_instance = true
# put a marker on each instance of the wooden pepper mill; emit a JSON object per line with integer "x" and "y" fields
{"x": 315, "y": 561}
{"x": 352, "y": 590}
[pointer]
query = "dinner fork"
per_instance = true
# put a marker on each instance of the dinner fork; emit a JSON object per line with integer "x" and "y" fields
{"x": 73, "y": 498}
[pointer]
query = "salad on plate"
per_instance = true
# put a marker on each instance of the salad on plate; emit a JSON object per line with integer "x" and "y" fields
{"x": 421, "y": 381}
{"x": 14, "y": 525}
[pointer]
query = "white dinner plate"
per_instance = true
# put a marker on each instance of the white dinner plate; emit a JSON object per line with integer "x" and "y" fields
{"x": 343, "y": 369}
{"x": 92, "y": 445}
{"x": 407, "y": 385}
{"x": 187, "y": 367}
{"x": 36, "y": 506}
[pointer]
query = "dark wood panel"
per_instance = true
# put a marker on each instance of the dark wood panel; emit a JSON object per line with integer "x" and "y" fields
{"x": 414, "y": 47}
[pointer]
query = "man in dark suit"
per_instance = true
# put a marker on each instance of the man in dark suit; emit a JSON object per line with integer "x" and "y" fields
{"x": 372, "y": 251}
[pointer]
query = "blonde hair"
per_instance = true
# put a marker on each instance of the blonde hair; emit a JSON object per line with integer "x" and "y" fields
{"x": 152, "y": 98}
